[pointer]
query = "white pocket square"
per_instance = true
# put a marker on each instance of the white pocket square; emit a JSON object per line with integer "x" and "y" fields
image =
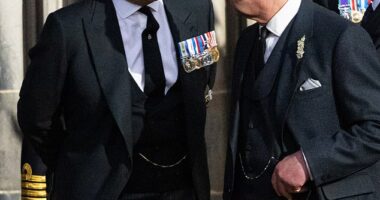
{"x": 310, "y": 84}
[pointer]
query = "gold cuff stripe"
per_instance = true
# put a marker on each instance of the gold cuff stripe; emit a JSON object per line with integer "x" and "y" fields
{"x": 34, "y": 193}
{"x": 34, "y": 178}
{"x": 33, "y": 186}
{"x": 32, "y": 198}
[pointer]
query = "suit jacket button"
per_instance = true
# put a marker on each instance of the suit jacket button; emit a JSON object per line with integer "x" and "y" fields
{"x": 250, "y": 125}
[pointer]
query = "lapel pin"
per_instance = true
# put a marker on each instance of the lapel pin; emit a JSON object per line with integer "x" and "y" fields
{"x": 301, "y": 47}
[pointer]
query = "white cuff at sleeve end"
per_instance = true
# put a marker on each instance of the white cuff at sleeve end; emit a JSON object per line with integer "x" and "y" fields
{"x": 307, "y": 165}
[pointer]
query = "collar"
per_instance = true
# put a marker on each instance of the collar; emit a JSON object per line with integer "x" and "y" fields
{"x": 375, "y": 4}
{"x": 283, "y": 17}
{"x": 124, "y": 8}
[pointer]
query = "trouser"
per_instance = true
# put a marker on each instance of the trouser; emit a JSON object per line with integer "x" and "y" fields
{"x": 184, "y": 194}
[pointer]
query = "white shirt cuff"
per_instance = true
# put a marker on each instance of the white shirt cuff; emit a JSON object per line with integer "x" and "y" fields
{"x": 307, "y": 165}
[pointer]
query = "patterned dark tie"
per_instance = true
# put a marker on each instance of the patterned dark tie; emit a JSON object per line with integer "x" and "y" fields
{"x": 263, "y": 34}
{"x": 154, "y": 71}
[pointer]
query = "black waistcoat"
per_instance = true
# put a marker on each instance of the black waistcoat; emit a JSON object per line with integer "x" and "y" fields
{"x": 159, "y": 135}
{"x": 260, "y": 145}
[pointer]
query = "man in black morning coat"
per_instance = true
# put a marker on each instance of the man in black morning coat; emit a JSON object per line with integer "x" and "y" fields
{"x": 84, "y": 113}
{"x": 307, "y": 125}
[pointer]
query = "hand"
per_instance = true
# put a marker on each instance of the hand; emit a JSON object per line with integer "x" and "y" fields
{"x": 290, "y": 175}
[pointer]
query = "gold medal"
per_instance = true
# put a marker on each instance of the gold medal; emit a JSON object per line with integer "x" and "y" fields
{"x": 356, "y": 16}
{"x": 215, "y": 54}
{"x": 186, "y": 64}
{"x": 196, "y": 63}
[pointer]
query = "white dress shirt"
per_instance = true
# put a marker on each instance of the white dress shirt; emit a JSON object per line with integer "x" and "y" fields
{"x": 278, "y": 24}
{"x": 132, "y": 23}
{"x": 375, "y": 4}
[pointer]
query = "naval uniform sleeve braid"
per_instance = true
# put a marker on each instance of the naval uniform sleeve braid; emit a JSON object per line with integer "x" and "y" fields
{"x": 39, "y": 107}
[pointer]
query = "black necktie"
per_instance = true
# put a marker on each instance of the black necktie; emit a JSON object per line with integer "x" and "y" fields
{"x": 261, "y": 50}
{"x": 154, "y": 71}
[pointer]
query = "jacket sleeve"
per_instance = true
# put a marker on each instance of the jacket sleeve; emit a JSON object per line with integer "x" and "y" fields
{"x": 356, "y": 90}
{"x": 39, "y": 107}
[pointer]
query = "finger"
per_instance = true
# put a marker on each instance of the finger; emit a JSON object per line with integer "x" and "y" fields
{"x": 283, "y": 190}
{"x": 274, "y": 183}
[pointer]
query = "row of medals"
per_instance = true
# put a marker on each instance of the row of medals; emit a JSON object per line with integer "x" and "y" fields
{"x": 208, "y": 57}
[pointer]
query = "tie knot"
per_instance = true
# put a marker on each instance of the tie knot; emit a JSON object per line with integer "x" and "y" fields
{"x": 263, "y": 32}
{"x": 145, "y": 10}
{"x": 152, "y": 25}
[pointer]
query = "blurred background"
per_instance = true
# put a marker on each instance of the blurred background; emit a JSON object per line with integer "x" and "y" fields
{"x": 20, "y": 24}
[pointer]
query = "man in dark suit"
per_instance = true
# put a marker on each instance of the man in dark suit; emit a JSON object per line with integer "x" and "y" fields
{"x": 305, "y": 115}
{"x": 371, "y": 23}
{"x": 108, "y": 105}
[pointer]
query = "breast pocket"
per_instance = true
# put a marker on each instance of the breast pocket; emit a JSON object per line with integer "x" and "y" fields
{"x": 310, "y": 93}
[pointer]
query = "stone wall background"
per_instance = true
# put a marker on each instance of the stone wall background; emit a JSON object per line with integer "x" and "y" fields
{"x": 20, "y": 24}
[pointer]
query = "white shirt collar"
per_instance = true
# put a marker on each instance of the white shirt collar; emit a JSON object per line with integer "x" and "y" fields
{"x": 124, "y": 8}
{"x": 375, "y": 4}
{"x": 283, "y": 17}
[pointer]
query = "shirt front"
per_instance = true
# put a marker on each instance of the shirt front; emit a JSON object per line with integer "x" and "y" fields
{"x": 375, "y": 4}
{"x": 278, "y": 24}
{"x": 132, "y": 23}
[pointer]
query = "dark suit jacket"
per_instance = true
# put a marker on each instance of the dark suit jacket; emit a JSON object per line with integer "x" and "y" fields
{"x": 330, "y": 4}
{"x": 372, "y": 26}
{"x": 337, "y": 125}
{"x": 75, "y": 102}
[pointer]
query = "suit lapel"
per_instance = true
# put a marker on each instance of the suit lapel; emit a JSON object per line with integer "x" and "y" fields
{"x": 107, "y": 51}
{"x": 302, "y": 26}
{"x": 179, "y": 18}
{"x": 267, "y": 77}
{"x": 372, "y": 25}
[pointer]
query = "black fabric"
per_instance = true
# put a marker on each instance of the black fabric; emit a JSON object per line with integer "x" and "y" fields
{"x": 336, "y": 125}
{"x": 368, "y": 14}
{"x": 162, "y": 139}
{"x": 75, "y": 103}
{"x": 260, "y": 61}
{"x": 259, "y": 131}
{"x": 371, "y": 23}
{"x": 154, "y": 71}
{"x": 185, "y": 194}
{"x": 330, "y": 4}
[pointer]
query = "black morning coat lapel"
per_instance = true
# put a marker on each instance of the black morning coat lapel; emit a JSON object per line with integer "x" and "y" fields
{"x": 372, "y": 25}
{"x": 266, "y": 78}
{"x": 107, "y": 51}
{"x": 302, "y": 26}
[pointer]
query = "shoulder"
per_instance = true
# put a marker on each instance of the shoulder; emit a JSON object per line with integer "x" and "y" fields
{"x": 74, "y": 12}
{"x": 329, "y": 23}
{"x": 194, "y": 6}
